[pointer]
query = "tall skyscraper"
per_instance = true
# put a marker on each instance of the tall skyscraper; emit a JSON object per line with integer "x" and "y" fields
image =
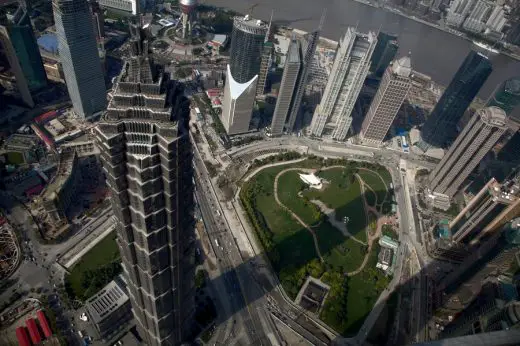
{"x": 291, "y": 71}
{"x": 441, "y": 126}
{"x": 247, "y": 43}
{"x": 477, "y": 138}
{"x": 308, "y": 44}
{"x": 507, "y": 97}
{"x": 384, "y": 53}
{"x": 237, "y": 105}
{"x": 392, "y": 91}
{"x": 147, "y": 158}
{"x": 22, "y": 52}
{"x": 79, "y": 56}
{"x": 333, "y": 116}
{"x": 488, "y": 211}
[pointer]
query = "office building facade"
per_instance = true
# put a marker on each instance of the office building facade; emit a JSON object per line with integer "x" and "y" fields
{"x": 441, "y": 126}
{"x": 333, "y": 116}
{"x": 308, "y": 46}
{"x": 486, "y": 212}
{"x": 247, "y": 43}
{"x": 24, "y": 42}
{"x": 286, "y": 95}
{"x": 246, "y": 51}
{"x": 147, "y": 157}
{"x": 79, "y": 57}
{"x": 237, "y": 106}
{"x": 392, "y": 91}
{"x": 21, "y": 53}
{"x": 384, "y": 53}
{"x": 477, "y": 138}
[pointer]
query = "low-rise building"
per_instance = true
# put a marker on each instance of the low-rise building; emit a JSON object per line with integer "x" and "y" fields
{"x": 20, "y": 149}
{"x": 110, "y": 310}
{"x": 384, "y": 258}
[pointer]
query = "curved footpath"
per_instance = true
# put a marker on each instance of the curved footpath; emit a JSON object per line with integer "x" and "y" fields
{"x": 381, "y": 220}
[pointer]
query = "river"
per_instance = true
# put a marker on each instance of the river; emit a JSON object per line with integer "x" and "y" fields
{"x": 434, "y": 52}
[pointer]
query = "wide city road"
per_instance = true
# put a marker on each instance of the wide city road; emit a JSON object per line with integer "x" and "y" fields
{"x": 245, "y": 297}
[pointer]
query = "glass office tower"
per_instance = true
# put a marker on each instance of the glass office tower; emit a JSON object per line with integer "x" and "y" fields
{"x": 441, "y": 126}
{"x": 79, "y": 56}
{"x": 247, "y": 42}
{"x": 24, "y": 43}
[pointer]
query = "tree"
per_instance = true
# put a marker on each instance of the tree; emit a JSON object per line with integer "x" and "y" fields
{"x": 200, "y": 279}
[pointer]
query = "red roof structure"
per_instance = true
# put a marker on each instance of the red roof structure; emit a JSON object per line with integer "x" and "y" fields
{"x": 44, "y": 324}
{"x": 34, "y": 333}
{"x": 23, "y": 338}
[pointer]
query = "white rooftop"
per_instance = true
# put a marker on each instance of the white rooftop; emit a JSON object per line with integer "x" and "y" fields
{"x": 403, "y": 66}
{"x": 312, "y": 180}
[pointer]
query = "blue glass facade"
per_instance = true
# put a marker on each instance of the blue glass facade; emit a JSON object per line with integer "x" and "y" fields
{"x": 384, "y": 53}
{"x": 441, "y": 126}
{"x": 24, "y": 43}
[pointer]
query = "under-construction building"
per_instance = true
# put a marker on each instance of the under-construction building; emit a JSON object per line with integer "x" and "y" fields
{"x": 147, "y": 157}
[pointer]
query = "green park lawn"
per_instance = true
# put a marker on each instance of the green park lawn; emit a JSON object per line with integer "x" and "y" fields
{"x": 291, "y": 248}
{"x": 375, "y": 182}
{"x": 95, "y": 269}
{"x": 343, "y": 193}
{"x": 362, "y": 292}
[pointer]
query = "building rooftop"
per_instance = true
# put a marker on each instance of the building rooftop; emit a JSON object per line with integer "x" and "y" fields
{"x": 293, "y": 54}
{"x": 248, "y": 21}
{"x": 108, "y": 299}
{"x": 403, "y": 67}
{"x": 493, "y": 115}
{"x": 21, "y": 142}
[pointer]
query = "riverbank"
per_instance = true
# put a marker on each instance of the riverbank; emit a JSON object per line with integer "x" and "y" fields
{"x": 432, "y": 25}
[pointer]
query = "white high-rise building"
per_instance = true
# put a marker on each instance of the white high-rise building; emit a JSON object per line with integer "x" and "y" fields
{"x": 477, "y": 138}
{"x": 458, "y": 11}
{"x": 392, "y": 91}
{"x": 333, "y": 116}
{"x": 479, "y": 15}
{"x": 497, "y": 20}
{"x": 239, "y": 99}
